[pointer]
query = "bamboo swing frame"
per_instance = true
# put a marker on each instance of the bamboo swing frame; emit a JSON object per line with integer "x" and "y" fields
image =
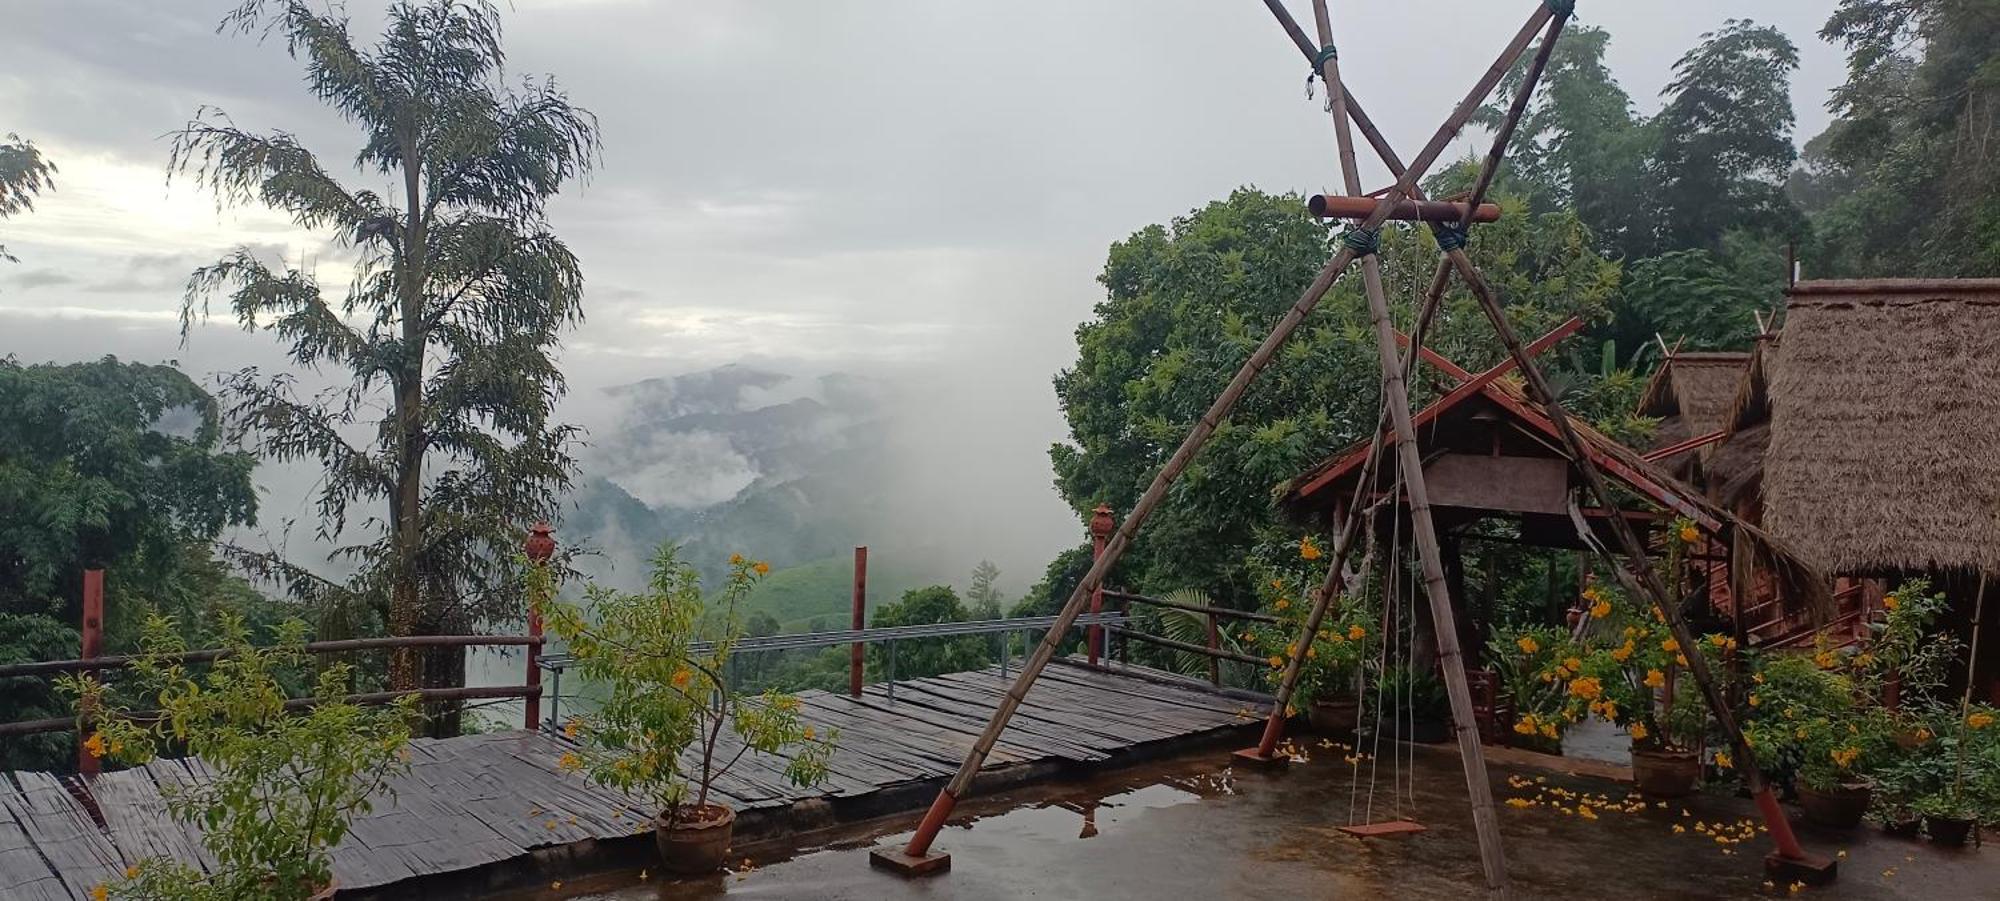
{"x": 1548, "y": 19}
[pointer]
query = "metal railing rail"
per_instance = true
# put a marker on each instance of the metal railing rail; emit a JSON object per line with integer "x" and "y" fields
{"x": 887, "y": 636}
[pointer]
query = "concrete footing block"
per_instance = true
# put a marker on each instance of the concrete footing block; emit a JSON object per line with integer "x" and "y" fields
{"x": 893, "y": 859}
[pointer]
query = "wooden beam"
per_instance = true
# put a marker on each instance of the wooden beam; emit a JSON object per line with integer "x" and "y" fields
{"x": 1656, "y": 456}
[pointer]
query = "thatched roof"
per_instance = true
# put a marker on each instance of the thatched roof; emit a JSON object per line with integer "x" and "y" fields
{"x": 1690, "y": 394}
{"x": 1885, "y": 404}
{"x": 1734, "y": 470}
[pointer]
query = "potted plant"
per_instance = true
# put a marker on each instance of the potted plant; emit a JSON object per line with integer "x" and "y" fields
{"x": 1807, "y": 713}
{"x": 1412, "y": 702}
{"x": 1952, "y": 778}
{"x": 1330, "y": 674}
{"x": 283, "y": 785}
{"x": 1524, "y": 661}
{"x": 659, "y": 655}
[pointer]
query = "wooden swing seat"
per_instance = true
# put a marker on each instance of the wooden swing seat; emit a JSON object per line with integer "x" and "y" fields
{"x": 1390, "y": 827}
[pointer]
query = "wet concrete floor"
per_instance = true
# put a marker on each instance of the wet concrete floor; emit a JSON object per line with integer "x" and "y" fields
{"x": 1193, "y": 828}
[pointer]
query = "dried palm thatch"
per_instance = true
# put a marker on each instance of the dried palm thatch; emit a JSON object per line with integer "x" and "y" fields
{"x": 1885, "y": 408}
{"x": 1733, "y": 473}
{"x": 1691, "y": 395}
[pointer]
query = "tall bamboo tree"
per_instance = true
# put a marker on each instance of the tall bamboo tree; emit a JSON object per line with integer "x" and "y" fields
{"x": 445, "y": 332}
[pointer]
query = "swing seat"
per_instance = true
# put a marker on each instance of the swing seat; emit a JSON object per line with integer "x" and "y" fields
{"x": 1387, "y": 828}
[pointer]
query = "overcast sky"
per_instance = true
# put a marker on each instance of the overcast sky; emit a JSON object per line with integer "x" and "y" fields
{"x": 915, "y": 187}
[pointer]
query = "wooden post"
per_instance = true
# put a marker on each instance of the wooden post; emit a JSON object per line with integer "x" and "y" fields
{"x": 1100, "y": 533}
{"x": 93, "y": 647}
{"x": 1214, "y": 644}
{"x": 1396, "y": 394}
{"x": 539, "y": 547}
{"x": 860, "y": 620}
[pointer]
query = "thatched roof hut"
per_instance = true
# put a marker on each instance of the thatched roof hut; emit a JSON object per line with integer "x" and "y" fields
{"x": 1885, "y": 408}
{"x": 1691, "y": 394}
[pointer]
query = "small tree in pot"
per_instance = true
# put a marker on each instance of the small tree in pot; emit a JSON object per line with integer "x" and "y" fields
{"x": 282, "y": 786}
{"x": 1347, "y": 638}
{"x": 670, "y": 725}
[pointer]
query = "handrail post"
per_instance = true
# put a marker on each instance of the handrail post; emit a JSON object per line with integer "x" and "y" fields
{"x": 1101, "y": 525}
{"x": 855, "y": 653}
{"x": 1214, "y": 662}
{"x": 92, "y": 635}
{"x": 539, "y": 547}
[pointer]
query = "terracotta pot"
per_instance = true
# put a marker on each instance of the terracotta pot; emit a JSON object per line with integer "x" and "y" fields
{"x": 1666, "y": 774}
{"x": 1840, "y": 807}
{"x": 696, "y": 843}
{"x": 1334, "y": 717}
{"x": 324, "y": 894}
{"x": 1948, "y": 830}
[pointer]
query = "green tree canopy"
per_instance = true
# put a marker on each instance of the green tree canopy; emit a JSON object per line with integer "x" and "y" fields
{"x": 1906, "y": 180}
{"x": 927, "y": 656}
{"x": 1186, "y": 304}
{"x": 117, "y": 466}
{"x": 1726, "y": 140}
{"x": 24, "y": 174}
{"x": 447, "y": 327}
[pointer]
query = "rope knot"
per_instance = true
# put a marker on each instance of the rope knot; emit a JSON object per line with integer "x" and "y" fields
{"x": 1450, "y": 235}
{"x": 1561, "y": 7}
{"x": 1363, "y": 241}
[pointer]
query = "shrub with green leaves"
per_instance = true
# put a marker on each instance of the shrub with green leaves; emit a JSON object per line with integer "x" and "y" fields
{"x": 284, "y": 785}
{"x": 661, "y": 656}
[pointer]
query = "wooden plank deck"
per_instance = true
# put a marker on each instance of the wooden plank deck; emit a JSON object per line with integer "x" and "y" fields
{"x": 484, "y": 800}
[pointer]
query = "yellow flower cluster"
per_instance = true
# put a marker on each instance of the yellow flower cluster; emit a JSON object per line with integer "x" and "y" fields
{"x": 1826, "y": 660}
{"x": 1532, "y": 725}
{"x": 1889, "y": 602}
{"x": 1638, "y": 731}
{"x": 1844, "y": 757}
{"x": 1356, "y": 633}
{"x": 1587, "y": 688}
{"x": 1979, "y": 720}
{"x": 1655, "y": 679}
{"x": 1689, "y": 534}
{"x": 1308, "y": 550}
{"x": 569, "y": 762}
{"x": 1527, "y": 644}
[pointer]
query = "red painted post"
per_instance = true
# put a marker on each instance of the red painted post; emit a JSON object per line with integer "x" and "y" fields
{"x": 854, "y": 651}
{"x": 540, "y": 546}
{"x": 93, "y": 647}
{"x": 1101, "y": 525}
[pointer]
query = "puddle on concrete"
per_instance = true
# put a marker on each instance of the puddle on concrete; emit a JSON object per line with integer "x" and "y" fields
{"x": 1194, "y": 828}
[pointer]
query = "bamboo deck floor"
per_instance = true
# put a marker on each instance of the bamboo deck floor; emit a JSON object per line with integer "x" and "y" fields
{"x": 484, "y": 800}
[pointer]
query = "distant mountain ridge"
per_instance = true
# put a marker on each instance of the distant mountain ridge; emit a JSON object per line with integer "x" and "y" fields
{"x": 741, "y": 459}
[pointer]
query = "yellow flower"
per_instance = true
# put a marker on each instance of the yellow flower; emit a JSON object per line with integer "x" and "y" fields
{"x": 1549, "y": 731}
{"x": 1308, "y": 550}
{"x": 1689, "y": 535}
{"x": 1356, "y": 633}
{"x": 1825, "y": 660}
{"x": 132, "y": 872}
{"x": 1574, "y": 664}
{"x": 1681, "y": 659}
{"x": 1889, "y": 602}
{"x": 1638, "y": 731}
{"x": 1586, "y": 688}
{"x": 1655, "y": 678}
{"x": 1722, "y": 760}
{"x": 1754, "y": 700}
{"x": 1979, "y": 720}
{"x": 1623, "y": 652}
{"x": 99, "y": 892}
{"x": 570, "y": 728}
{"x": 1844, "y": 757}
{"x": 1282, "y": 604}
{"x": 681, "y": 677}
{"x": 762, "y": 568}
{"x": 1600, "y": 610}
{"x": 1526, "y": 726}
{"x": 94, "y": 744}
{"x": 1527, "y": 644}
{"x": 1585, "y": 812}
{"x": 569, "y": 762}
{"x": 808, "y": 733}
{"x": 1670, "y": 645}
{"x": 1312, "y": 653}
{"x": 1517, "y": 802}
{"x": 1276, "y": 661}
{"x": 1719, "y": 640}
{"x": 1757, "y": 678}
{"x": 1923, "y": 735}
{"x": 735, "y": 559}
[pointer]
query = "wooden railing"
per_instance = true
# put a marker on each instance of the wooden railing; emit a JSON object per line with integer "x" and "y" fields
{"x": 1212, "y": 648}
{"x": 531, "y": 690}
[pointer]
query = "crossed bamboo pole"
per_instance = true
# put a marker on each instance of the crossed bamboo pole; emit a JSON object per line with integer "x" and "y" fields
{"x": 1637, "y": 561}
{"x": 961, "y": 782}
